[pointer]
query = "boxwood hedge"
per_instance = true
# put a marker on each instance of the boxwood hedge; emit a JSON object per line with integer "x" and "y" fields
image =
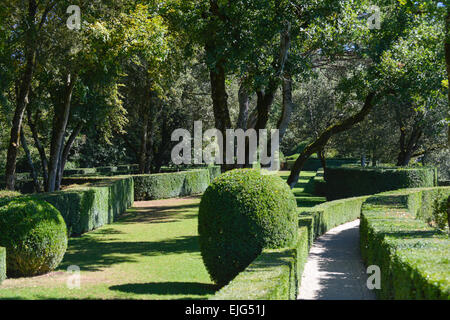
{"x": 345, "y": 182}
{"x": 325, "y": 216}
{"x": 34, "y": 235}
{"x": 172, "y": 185}
{"x": 241, "y": 213}
{"x": 89, "y": 207}
{"x": 412, "y": 255}
{"x": 275, "y": 275}
{"x": 2, "y": 264}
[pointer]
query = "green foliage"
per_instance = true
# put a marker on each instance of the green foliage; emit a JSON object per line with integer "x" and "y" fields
{"x": 350, "y": 182}
{"x": 171, "y": 185}
{"x": 34, "y": 235}
{"x": 2, "y": 264}
{"x": 274, "y": 275}
{"x": 412, "y": 256}
{"x": 241, "y": 213}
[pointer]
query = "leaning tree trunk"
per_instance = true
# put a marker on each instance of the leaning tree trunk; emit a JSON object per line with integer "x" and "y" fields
{"x": 323, "y": 139}
{"x": 22, "y": 97}
{"x": 22, "y": 101}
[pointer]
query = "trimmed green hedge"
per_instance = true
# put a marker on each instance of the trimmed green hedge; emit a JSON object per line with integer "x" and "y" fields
{"x": 2, "y": 264}
{"x": 313, "y": 164}
{"x": 171, "y": 185}
{"x": 35, "y": 237}
{"x": 271, "y": 275}
{"x": 412, "y": 255}
{"x": 344, "y": 182}
{"x": 274, "y": 275}
{"x": 328, "y": 215}
{"x": 88, "y": 208}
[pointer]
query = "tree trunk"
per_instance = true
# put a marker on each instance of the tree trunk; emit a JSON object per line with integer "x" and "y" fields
{"x": 323, "y": 160}
{"x": 65, "y": 154}
{"x": 23, "y": 140}
{"x": 322, "y": 140}
{"x": 288, "y": 105}
{"x": 244, "y": 102}
{"x": 39, "y": 147}
{"x": 408, "y": 148}
{"x": 143, "y": 147}
{"x": 60, "y": 121}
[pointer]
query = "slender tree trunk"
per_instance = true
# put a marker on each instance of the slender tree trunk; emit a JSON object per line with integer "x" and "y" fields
{"x": 65, "y": 153}
{"x": 143, "y": 147}
{"x": 34, "y": 176}
{"x": 288, "y": 105}
{"x": 60, "y": 121}
{"x": 322, "y": 140}
{"x": 244, "y": 102}
{"x": 39, "y": 147}
{"x": 22, "y": 102}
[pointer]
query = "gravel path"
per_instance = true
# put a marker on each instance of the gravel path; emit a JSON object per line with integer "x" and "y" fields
{"x": 334, "y": 269}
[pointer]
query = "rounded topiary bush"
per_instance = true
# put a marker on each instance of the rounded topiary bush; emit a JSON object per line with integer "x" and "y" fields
{"x": 241, "y": 213}
{"x": 35, "y": 236}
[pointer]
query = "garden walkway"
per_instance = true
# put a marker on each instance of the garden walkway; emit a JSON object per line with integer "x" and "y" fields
{"x": 334, "y": 269}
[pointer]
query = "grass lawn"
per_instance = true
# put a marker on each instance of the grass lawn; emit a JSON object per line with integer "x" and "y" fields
{"x": 304, "y": 199}
{"x": 151, "y": 252}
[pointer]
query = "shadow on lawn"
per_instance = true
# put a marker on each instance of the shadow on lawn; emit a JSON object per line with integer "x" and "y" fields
{"x": 92, "y": 255}
{"x": 167, "y": 288}
{"x": 158, "y": 214}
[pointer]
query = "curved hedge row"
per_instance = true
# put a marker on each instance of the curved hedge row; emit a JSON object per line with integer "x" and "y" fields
{"x": 276, "y": 274}
{"x": 325, "y": 216}
{"x": 412, "y": 255}
{"x": 344, "y": 182}
{"x": 2, "y": 264}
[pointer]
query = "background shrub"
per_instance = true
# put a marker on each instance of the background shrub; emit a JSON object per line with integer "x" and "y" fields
{"x": 35, "y": 236}
{"x": 345, "y": 182}
{"x": 241, "y": 213}
{"x": 171, "y": 185}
